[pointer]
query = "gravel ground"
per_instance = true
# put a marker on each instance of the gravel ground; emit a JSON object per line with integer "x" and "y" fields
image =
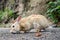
{"x": 49, "y": 34}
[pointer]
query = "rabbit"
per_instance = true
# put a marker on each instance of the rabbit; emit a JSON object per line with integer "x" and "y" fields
{"x": 32, "y": 23}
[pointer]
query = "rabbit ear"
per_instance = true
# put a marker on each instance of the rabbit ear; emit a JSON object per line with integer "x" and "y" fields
{"x": 18, "y": 18}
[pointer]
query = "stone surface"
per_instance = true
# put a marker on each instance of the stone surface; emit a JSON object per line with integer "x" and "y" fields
{"x": 48, "y": 34}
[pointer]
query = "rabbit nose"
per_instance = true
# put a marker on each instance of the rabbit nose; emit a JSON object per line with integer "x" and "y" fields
{"x": 12, "y": 31}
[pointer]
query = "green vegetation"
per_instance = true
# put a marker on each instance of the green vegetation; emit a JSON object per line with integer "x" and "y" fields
{"x": 54, "y": 11}
{"x": 6, "y": 14}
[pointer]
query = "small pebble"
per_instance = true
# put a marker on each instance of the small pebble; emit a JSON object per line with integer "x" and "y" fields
{"x": 38, "y": 34}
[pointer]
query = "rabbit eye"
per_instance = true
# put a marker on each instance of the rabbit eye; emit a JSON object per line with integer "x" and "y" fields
{"x": 13, "y": 26}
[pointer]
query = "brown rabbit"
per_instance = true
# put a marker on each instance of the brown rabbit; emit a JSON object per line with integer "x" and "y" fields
{"x": 36, "y": 22}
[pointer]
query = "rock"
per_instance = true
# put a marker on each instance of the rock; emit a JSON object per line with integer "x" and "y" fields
{"x": 38, "y": 34}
